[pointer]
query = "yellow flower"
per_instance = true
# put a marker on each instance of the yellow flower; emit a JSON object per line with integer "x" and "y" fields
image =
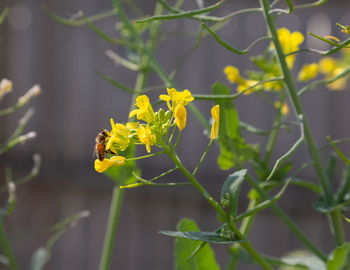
{"x": 177, "y": 98}
{"x": 215, "y": 113}
{"x": 119, "y": 137}
{"x": 339, "y": 84}
{"x": 290, "y": 42}
{"x": 308, "y": 72}
{"x": 180, "y": 116}
{"x": 327, "y": 65}
{"x": 132, "y": 125}
{"x": 245, "y": 84}
{"x": 232, "y": 74}
{"x": 283, "y": 107}
{"x": 145, "y": 111}
{"x": 146, "y": 137}
{"x": 101, "y": 166}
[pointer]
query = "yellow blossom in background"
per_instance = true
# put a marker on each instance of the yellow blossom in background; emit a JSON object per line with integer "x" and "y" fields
{"x": 332, "y": 68}
{"x": 245, "y": 84}
{"x": 101, "y": 166}
{"x": 290, "y": 42}
{"x": 146, "y": 137}
{"x": 215, "y": 113}
{"x": 272, "y": 86}
{"x": 308, "y": 72}
{"x": 119, "y": 137}
{"x": 180, "y": 116}
{"x": 145, "y": 111}
{"x": 283, "y": 107}
{"x": 327, "y": 65}
{"x": 176, "y": 98}
{"x": 339, "y": 84}
{"x": 232, "y": 74}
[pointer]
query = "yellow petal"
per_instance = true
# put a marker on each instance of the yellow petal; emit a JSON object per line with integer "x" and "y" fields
{"x": 101, "y": 166}
{"x": 180, "y": 116}
{"x": 215, "y": 113}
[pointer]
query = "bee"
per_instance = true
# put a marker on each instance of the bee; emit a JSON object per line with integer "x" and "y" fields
{"x": 100, "y": 146}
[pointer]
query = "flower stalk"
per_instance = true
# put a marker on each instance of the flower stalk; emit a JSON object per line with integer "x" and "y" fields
{"x": 298, "y": 109}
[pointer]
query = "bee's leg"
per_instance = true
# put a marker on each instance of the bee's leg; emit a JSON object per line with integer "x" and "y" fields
{"x": 109, "y": 151}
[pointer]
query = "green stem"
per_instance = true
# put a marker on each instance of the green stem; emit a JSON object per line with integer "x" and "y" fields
{"x": 118, "y": 194}
{"x": 335, "y": 218}
{"x": 113, "y": 218}
{"x": 289, "y": 222}
{"x": 202, "y": 158}
{"x": 274, "y": 134}
{"x": 245, "y": 228}
{"x": 246, "y": 245}
{"x": 6, "y": 248}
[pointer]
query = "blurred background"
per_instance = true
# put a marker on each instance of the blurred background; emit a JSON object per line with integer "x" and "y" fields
{"x": 76, "y": 103}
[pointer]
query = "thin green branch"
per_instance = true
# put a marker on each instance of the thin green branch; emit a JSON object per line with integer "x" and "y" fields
{"x": 79, "y": 22}
{"x": 115, "y": 83}
{"x": 328, "y": 52}
{"x": 145, "y": 156}
{"x": 202, "y": 158}
{"x": 340, "y": 153}
{"x": 117, "y": 59}
{"x": 264, "y": 204}
{"x": 234, "y": 96}
{"x": 315, "y": 84}
{"x": 314, "y": 4}
{"x": 23, "y": 100}
{"x": 184, "y": 14}
{"x": 157, "y": 177}
{"x": 283, "y": 158}
{"x": 33, "y": 173}
{"x": 99, "y": 32}
{"x": 209, "y": 18}
{"x": 154, "y": 184}
{"x": 229, "y": 47}
{"x": 298, "y": 108}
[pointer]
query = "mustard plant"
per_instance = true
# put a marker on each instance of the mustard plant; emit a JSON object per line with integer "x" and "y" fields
{"x": 158, "y": 129}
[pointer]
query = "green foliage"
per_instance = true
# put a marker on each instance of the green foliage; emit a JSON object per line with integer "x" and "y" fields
{"x": 230, "y": 191}
{"x": 233, "y": 148}
{"x": 203, "y": 260}
{"x": 339, "y": 257}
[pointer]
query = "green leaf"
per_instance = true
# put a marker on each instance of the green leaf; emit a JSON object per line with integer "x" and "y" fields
{"x": 203, "y": 260}
{"x": 302, "y": 258}
{"x": 210, "y": 237}
{"x": 339, "y": 257}
{"x": 230, "y": 190}
{"x": 123, "y": 175}
{"x": 232, "y": 145}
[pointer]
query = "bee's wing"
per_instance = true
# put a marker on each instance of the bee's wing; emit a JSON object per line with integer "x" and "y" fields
{"x": 94, "y": 152}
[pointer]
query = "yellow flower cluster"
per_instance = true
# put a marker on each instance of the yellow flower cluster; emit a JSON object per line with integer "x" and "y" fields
{"x": 152, "y": 130}
{"x": 330, "y": 67}
{"x": 290, "y": 42}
